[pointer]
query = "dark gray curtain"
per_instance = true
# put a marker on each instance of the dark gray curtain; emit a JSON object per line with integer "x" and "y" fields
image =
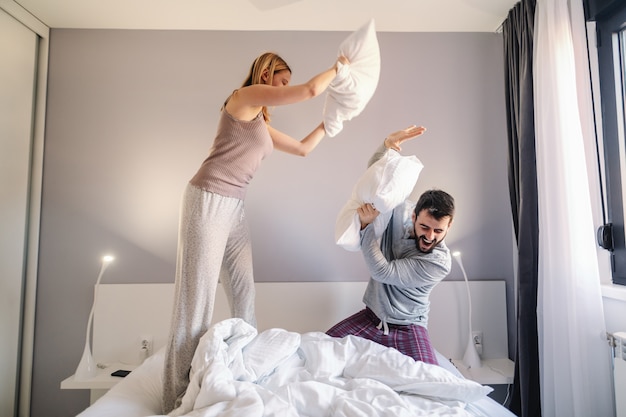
{"x": 517, "y": 32}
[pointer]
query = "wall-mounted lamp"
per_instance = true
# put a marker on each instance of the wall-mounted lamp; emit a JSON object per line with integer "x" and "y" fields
{"x": 470, "y": 358}
{"x": 87, "y": 367}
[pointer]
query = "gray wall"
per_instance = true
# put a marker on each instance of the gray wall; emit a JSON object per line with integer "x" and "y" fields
{"x": 131, "y": 114}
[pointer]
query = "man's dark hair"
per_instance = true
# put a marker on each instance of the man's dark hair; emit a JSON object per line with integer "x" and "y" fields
{"x": 439, "y": 204}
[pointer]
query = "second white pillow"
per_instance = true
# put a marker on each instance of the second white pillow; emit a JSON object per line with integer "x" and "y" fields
{"x": 385, "y": 184}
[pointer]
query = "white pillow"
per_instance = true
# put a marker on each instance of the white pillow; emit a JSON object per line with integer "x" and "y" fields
{"x": 353, "y": 87}
{"x": 385, "y": 184}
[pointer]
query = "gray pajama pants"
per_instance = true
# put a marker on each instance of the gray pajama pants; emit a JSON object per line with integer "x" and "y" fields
{"x": 213, "y": 244}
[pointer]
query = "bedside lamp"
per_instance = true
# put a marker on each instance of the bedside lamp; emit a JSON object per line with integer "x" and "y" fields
{"x": 470, "y": 358}
{"x": 87, "y": 368}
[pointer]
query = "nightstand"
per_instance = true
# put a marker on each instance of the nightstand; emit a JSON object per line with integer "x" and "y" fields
{"x": 496, "y": 373}
{"x": 493, "y": 371}
{"x": 99, "y": 384}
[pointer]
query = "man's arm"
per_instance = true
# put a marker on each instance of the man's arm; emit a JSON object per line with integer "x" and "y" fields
{"x": 380, "y": 151}
{"x": 415, "y": 271}
{"x": 399, "y": 272}
{"x": 394, "y": 140}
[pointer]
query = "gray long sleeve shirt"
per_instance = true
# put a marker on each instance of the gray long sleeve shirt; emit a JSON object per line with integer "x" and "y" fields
{"x": 402, "y": 277}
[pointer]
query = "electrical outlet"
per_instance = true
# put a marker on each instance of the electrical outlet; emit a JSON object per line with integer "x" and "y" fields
{"x": 477, "y": 337}
{"x": 145, "y": 345}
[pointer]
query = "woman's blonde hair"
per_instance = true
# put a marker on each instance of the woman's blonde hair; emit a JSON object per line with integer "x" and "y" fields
{"x": 270, "y": 62}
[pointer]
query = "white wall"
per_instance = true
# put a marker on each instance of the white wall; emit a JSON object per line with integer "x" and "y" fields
{"x": 131, "y": 114}
{"x": 614, "y": 299}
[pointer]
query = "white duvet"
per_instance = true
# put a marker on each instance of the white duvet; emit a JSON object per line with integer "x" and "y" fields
{"x": 237, "y": 372}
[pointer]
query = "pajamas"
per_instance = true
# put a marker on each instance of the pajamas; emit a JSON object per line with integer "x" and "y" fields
{"x": 213, "y": 244}
{"x": 412, "y": 340}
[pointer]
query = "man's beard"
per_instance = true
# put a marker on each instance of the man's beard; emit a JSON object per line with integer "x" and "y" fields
{"x": 430, "y": 246}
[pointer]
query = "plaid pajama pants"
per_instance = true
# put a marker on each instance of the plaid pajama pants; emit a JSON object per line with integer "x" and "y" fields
{"x": 412, "y": 340}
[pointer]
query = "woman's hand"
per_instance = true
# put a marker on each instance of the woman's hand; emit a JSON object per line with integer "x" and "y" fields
{"x": 342, "y": 60}
{"x": 395, "y": 139}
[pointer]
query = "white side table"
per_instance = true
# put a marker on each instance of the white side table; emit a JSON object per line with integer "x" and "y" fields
{"x": 493, "y": 371}
{"x": 99, "y": 384}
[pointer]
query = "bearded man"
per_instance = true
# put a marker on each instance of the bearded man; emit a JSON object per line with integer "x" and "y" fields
{"x": 405, "y": 264}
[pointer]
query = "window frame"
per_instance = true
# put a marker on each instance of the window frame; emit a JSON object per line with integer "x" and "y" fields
{"x": 608, "y": 27}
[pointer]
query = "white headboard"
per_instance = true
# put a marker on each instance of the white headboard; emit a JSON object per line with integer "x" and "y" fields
{"x": 127, "y": 313}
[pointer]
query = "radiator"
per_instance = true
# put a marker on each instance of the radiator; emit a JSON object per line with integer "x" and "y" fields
{"x": 619, "y": 372}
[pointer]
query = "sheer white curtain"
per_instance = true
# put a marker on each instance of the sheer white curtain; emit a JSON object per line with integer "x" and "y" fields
{"x": 575, "y": 374}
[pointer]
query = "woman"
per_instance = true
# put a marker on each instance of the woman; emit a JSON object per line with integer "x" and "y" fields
{"x": 213, "y": 241}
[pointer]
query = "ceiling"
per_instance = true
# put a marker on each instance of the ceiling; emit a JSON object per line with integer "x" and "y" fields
{"x": 318, "y": 15}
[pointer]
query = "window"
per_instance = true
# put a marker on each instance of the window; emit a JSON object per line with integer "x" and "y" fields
{"x": 611, "y": 38}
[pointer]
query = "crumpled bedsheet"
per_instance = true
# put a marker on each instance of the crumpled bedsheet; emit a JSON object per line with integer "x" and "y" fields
{"x": 239, "y": 372}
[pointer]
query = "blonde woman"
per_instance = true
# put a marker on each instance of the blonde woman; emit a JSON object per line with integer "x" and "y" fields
{"x": 213, "y": 240}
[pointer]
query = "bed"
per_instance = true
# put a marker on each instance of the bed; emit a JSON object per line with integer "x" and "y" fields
{"x": 288, "y": 366}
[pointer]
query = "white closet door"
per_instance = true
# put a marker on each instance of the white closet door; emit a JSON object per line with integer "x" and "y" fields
{"x": 18, "y": 55}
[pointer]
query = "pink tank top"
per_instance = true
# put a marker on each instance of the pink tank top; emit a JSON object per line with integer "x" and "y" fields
{"x": 237, "y": 151}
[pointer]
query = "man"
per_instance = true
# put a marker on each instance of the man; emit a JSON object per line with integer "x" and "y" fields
{"x": 405, "y": 265}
